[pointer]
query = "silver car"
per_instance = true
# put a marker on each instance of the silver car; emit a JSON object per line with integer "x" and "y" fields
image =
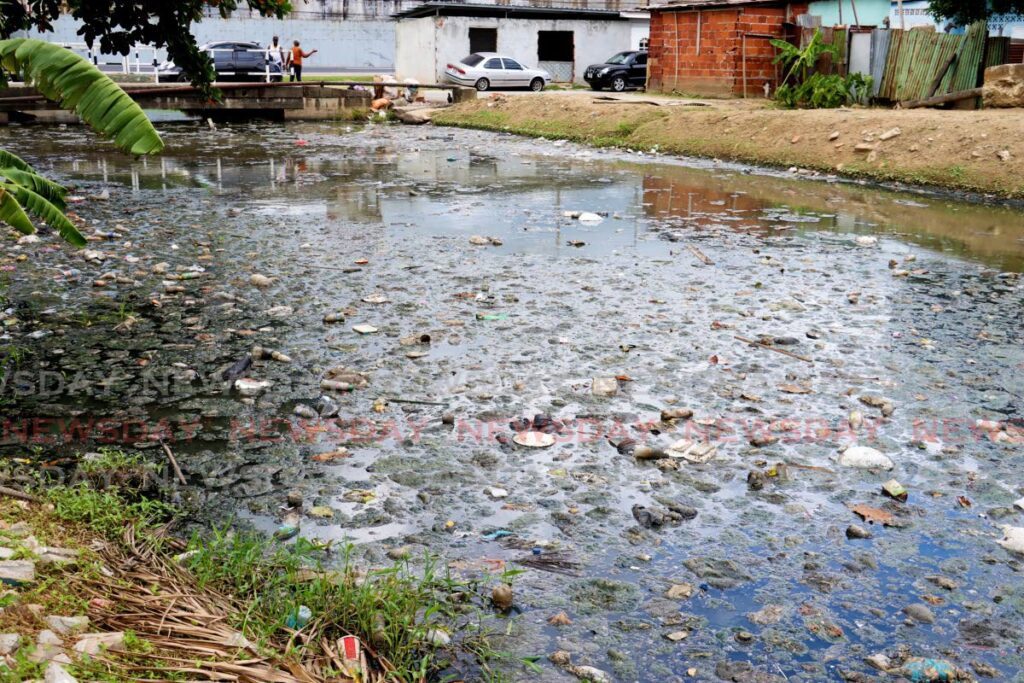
{"x": 486, "y": 70}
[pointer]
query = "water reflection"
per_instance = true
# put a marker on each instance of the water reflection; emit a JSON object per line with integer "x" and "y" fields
{"x": 355, "y": 177}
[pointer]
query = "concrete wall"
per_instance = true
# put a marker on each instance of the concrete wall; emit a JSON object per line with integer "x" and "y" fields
{"x": 594, "y": 41}
{"x": 343, "y": 43}
{"x": 416, "y": 50}
{"x": 701, "y": 51}
{"x": 869, "y": 12}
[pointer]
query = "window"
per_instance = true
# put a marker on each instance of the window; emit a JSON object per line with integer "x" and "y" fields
{"x": 472, "y": 60}
{"x": 619, "y": 58}
{"x": 483, "y": 40}
{"x": 645, "y": 43}
{"x": 512, "y": 64}
{"x": 555, "y": 46}
{"x": 492, "y": 63}
{"x": 641, "y": 59}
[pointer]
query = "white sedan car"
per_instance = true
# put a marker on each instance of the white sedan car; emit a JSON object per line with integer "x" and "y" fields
{"x": 485, "y": 70}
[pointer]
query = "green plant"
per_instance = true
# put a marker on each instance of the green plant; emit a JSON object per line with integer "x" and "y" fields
{"x": 802, "y": 86}
{"x": 74, "y": 83}
{"x": 396, "y": 610}
{"x": 106, "y": 512}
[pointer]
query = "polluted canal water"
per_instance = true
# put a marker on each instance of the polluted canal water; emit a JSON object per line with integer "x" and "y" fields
{"x": 734, "y": 425}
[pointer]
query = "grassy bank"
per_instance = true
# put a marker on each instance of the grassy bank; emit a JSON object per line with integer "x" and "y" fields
{"x": 976, "y": 151}
{"x": 223, "y": 603}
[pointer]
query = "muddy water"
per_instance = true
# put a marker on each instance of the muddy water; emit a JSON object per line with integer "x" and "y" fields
{"x": 926, "y": 314}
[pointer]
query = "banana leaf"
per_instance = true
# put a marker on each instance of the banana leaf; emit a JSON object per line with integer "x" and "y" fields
{"x": 12, "y": 214}
{"x": 39, "y": 206}
{"x": 53, "y": 192}
{"x": 70, "y": 80}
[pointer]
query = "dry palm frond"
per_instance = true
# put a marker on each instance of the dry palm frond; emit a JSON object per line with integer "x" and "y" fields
{"x": 190, "y": 629}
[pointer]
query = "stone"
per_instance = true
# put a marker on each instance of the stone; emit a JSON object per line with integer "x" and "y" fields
{"x": 604, "y": 386}
{"x": 1003, "y": 155}
{"x": 17, "y": 572}
{"x": 560, "y": 619}
{"x": 402, "y": 552}
{"x": 890, "y": 134}
{"x": 767, "y": 615}
{"x": 52, "y": 555}
{"x": 497, "y": 492}
{"x": 1003, "y": 86}
{"x": 676, "y": 414}
{"x": 879, "y": 661}
{"x": 438, "y": 637}
{"x": 679, "y": 591}
{"x": 279, "y": 312}
{"x": 67, "y": 626}
{"x": 479, "y": 240}
{"x": 364, "y": 329}
{"x": 55, "y": 673}
{"x": 321, "y": 512}
{"x": 834, "y": 135}
{"x": 944, "y": 582}
{"x": 920, "y": 613}
{"x": 589, "y": 673}
{"x": 49, "y": 647}
{"x": 854, "y": 531}
{"x": 1013, "y": 539}
{"x": 560, "y": 658}
{"x": 501, "y": 596}
{"x": 93, "y": 643}
{"x": 258, "y": 280}
{"x": 28, "y": 239}
{"x": 676, "y": 636}
{"x": 251, "y": 387}
{"x": 9, "y": 643}
{"x": 865, "y": 457}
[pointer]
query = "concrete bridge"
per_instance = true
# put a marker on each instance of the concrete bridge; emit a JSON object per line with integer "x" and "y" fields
{"x": 277, "y": 101}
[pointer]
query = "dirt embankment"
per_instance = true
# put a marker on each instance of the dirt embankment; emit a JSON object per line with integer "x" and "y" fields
{"x": 981, "y": 151}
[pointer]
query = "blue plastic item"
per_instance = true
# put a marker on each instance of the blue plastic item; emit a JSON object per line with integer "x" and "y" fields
{"x": 299, "y": 617}
{"x": 495, "y": 535}
{"x": 928, "y": 670}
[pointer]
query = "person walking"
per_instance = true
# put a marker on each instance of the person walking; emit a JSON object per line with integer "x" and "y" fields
{"x": 275, "y": 52}
{"x": 297, "y": 55}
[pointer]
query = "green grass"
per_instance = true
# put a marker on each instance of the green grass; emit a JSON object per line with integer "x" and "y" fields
{"x": 394, "y": 609}
{"x": 106, "y": 512}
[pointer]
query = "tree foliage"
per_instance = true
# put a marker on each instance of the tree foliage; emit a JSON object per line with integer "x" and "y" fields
{"x": 964, "y": 12}
{"x": 117, "y": 25}
{"x": 75, "y": 84}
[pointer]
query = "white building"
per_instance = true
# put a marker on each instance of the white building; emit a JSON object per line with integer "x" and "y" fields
{"x": 560, "y": 41}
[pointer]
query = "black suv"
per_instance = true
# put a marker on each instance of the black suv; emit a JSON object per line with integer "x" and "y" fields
{"x": 624, "y": 70}
{"x": 233, "y": 62}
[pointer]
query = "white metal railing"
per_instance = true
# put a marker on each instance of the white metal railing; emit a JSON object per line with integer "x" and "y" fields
{"x": 144, "y": 59}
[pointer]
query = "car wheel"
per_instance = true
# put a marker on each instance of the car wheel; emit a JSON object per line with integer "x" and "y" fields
{"x": 483, "y": 84}
{"x": 537, "y": 84}
{"x": 618, "y": 84}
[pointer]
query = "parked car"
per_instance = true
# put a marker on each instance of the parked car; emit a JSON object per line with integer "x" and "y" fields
{"x": 621, "y": 71}
{"x": 486, "y": 70}
{"x": 232, "y": 61}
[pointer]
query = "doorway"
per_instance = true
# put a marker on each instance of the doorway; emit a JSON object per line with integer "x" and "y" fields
{"x": 556, "y": 54}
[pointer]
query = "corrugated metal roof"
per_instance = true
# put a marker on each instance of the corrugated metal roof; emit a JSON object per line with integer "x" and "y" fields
{"x": 706, "y": 4}
{"x": 459, "y": 9}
